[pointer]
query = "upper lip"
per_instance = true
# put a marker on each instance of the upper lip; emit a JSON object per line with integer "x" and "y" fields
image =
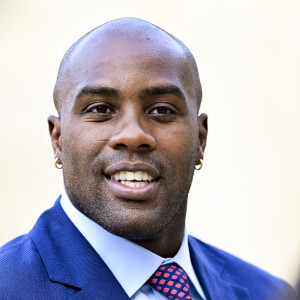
{"x": 132, "y": 167}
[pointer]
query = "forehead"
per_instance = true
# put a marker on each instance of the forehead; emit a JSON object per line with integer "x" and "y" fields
{"x": 124, "y": 38}
{"x": 120, "y": 57}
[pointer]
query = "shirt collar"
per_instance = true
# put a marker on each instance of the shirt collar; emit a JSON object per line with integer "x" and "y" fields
{"x": 122, "y": 255}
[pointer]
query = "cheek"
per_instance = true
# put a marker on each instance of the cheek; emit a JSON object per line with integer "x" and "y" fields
{"x": 178, "y": 143}
{"x": 81, "y": 143}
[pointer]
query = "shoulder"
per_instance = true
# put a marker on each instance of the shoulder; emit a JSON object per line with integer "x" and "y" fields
{"x": 19, "y": 266}
{"x": 23, "y": 274}
{"x": 18, "y": 252}
{"x": 239, "y": 272}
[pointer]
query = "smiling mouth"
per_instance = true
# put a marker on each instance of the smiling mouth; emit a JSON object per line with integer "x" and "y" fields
{"x": 131, "y": 179}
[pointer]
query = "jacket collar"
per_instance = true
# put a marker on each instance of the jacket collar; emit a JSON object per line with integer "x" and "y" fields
{"x": 70, "y": 259}
{"x": 212, "y": 274}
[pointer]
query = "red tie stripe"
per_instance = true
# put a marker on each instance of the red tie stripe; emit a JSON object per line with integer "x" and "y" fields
{"x": 172, "y": 282}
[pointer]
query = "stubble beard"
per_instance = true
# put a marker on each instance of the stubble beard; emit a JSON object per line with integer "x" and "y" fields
{"x": 89, "y": 194}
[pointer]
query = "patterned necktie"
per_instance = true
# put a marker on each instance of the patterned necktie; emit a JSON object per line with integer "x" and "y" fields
{"x": 172, "y": 282}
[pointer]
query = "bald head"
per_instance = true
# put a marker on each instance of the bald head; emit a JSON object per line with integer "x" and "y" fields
{"x": 140, "y": 38}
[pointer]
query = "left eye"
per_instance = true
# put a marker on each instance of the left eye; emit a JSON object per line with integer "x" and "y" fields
{"x": 162, "y": 110}
{"x": 102, "y": 109}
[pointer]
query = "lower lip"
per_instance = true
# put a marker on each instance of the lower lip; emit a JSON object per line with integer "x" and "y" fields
{"x": 131, "y": 193}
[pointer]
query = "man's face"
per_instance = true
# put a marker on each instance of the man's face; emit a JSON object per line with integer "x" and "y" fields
{"x": 129, "y": 136}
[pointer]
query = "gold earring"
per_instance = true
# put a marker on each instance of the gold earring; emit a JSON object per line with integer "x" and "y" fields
{"x": 200, "y": 165}
{"x": 56, "y": 164}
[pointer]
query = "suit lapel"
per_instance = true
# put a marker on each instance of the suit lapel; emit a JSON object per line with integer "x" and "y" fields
{"x": 214, "y": 279}
{"x": 101, "y": 286}
{"x": 70, "y": 259}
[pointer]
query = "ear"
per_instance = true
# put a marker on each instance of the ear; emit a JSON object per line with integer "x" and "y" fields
{"x": 202, "y": 127}
{"x": 54, "y": 130}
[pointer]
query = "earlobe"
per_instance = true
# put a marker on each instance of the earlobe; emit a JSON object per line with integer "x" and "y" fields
{"x": 202, "y": 135}
{"x": 54, "y": 130}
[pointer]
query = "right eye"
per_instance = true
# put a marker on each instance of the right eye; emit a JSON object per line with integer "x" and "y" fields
{"x": 101, "y": 109}
{"x": 161, "y": 110}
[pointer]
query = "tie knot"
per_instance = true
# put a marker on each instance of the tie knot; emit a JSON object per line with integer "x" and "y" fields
{"x": 171, "y": 281}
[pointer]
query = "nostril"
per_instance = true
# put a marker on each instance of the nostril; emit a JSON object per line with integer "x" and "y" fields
{"x": 132, "y": 140}
{"x": 121, "y": 145}
{"x": 144, "y": 146}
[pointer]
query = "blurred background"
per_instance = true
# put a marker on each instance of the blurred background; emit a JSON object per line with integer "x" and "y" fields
{"x": 246, "y": 199}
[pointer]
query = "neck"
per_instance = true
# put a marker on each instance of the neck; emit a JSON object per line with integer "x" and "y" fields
{"x": 167, "y": 242}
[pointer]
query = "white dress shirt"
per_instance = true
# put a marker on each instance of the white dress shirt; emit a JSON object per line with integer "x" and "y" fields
{"x": 122, "y": 255}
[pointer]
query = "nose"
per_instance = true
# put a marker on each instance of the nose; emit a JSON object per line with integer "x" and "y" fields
{"x": 133, "y": 137}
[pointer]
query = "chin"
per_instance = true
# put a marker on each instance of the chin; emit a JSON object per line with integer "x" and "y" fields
{"x": 135, "y": 228}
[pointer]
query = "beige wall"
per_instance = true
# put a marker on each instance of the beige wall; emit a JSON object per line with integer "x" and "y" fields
{"x": 246, "y": 199}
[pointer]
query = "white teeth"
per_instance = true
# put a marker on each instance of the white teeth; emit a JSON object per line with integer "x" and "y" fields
{"x": 137, "y": 184}
{"x": 145, "y": 176}
{"x": 138, "y": 175}
{"x": 131, "y": 183}
{"x": 122, "y": 175}
{"x": 133, "y": 179}
{"x": 134, "y": 184}
{"x": 117, "y": 176}
{"x": 129, "y": 175}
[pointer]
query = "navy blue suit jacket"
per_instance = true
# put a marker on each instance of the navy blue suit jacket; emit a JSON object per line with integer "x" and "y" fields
{"x": 54, "y": 261}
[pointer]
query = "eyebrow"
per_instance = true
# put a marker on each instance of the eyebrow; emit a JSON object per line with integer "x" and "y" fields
{"x": 145, "y": 93}
{"x": 101, "y": 91}
{"x": 162, "y": 90}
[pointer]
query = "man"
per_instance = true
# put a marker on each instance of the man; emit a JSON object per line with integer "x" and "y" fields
{"x": 128, "y": 138}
